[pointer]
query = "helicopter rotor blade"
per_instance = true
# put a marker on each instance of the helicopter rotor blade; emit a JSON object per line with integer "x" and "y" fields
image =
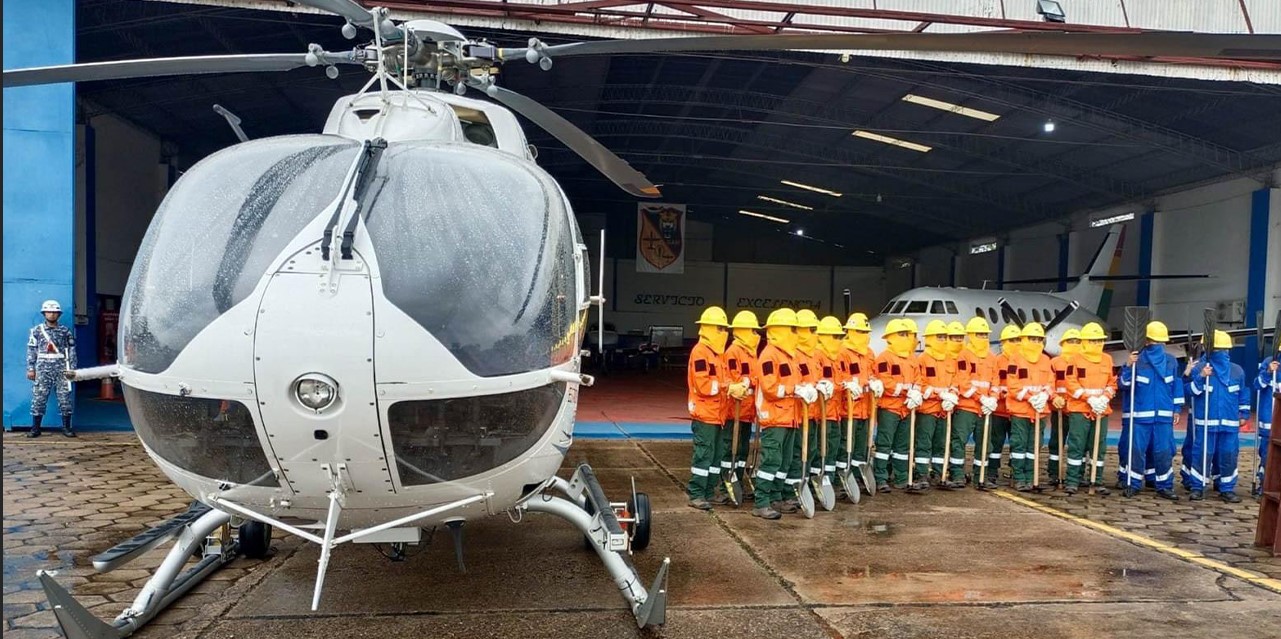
{"x": 1266, "y": 47}
{"x": 357, "y": 15}
{"x": 614, "y": 167}
{"x": 152, "y": 67}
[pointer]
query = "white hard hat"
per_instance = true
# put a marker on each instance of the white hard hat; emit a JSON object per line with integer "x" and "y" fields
{"x": 50, "y": 306}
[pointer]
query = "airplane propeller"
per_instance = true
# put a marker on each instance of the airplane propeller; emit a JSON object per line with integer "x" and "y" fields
{"x": 1062, "y": 315}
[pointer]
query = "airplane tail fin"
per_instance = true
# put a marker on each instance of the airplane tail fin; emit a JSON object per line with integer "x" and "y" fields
{"x": 1096, "y": 296}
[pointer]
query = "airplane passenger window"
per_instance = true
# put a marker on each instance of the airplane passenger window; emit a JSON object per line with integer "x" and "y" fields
{"x": 1036, "y": 314}
{"x": 917, "y": 307}
{"x": 978, "y": 311}
{"x": 936, "y": 307}
{"x": 1048, "y": 315}
{"x": 951, "y": 308}
{"x": 991, "y": 313}
{"x": 1022, "y": 316}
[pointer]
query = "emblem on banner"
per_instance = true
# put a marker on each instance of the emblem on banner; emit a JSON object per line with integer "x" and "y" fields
{"x": 661, "y": 236}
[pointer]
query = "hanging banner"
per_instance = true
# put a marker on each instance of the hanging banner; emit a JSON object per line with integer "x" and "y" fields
{"x": 660, "y": 238}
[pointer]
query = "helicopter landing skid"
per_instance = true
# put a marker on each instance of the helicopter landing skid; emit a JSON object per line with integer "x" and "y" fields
{"x": 195, "y": 530}
{"x": 585, "y": 506}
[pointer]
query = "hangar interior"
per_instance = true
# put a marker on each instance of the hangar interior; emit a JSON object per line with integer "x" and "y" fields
{"x": 1034, "y": 160}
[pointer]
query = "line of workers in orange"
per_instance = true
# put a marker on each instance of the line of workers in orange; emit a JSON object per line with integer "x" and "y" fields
{"x": 824, "y": 371}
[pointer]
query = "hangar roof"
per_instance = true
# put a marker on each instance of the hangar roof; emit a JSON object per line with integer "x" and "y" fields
{"x": 722, "y": 131}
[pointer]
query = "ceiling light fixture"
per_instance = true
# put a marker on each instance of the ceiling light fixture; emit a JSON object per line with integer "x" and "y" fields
{"x": 982, "y": 247}
{"x": 894, "y": 141}
{"x": 951, "y": 108}
{"x": 765, "y": 217}
{"x": 784, "y": 202}
{"x": 1111, "y": 219}
{"x": 811, "y": 188}
{"x": 1049, "y": 126}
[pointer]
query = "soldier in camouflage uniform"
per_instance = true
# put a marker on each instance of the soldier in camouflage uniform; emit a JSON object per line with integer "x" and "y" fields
{"x": 51, "y": 364}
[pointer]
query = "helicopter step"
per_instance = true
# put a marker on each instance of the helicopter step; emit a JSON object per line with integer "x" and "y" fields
{"x": 200, "y": 531}
{"x": 585, "y": 505}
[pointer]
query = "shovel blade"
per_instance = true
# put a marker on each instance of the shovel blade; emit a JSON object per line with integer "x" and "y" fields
{"x": 807, "y": 501}
{"x": 851, "y": 486}
{"x": 736, "y": 493}
{"x": 827, "y": 494}
{"x": 869, "y": 480}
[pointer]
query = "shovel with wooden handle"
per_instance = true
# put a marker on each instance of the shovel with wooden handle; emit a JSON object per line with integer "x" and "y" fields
{"x": 987, "y": 427}
{"x": 826, "y": 492}
{"x": 911, "y": 449}
{"x": 947, "y": 451}
{"x": 847, "y": 475}
{"x": 1036, "y": 452}
{"x": 806, "y": 497}
{"x": 869, "y": 476}
{"x": 734, "y": 489}
{"x": 1062, "y": 454}
{"x": 1094, "y": 456}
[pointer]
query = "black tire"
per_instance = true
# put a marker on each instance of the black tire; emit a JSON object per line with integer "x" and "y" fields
{"x": 255, "y": 539}
{"x": 587, "y": 541}
{"x": 639, "y": 508}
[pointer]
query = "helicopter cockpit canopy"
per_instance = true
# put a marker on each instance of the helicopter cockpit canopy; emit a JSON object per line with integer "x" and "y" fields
{"x": 475, "y": 245}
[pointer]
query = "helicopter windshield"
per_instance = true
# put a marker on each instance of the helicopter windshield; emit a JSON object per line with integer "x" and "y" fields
{"x": 216, "y": 233}
{"x": 478, "y": 248}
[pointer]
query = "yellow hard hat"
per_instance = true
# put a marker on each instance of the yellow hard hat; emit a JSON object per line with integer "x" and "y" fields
{"x": 745, "y": 319}
{"x": 977, "y": 325}
{"x": 830, "y": 326}
{"x": 1157, "y": 332}
{"x": 805, "y": 318}
{"x": 910, "y": 326}
{"x": 858, "y": 322}
{"x": 955, "y": 328}
{"x": 936, "y": 327}
{"x": 1033, "y": 329}
{"x": 781, "y": 317}
{"x": 1010, "y": 332}
{"x": 896, "y": 326}
{"x": 1222, "y": 340}
{"x": 715, "y": 316}
{"x": 1070, "y": 333}
{"x": 1093, "y": 331}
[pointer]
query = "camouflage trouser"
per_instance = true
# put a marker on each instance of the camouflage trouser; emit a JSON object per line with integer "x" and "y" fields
{"x": 49, "y": 377}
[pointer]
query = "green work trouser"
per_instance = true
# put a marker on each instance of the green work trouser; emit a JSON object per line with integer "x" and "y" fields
{"x": 704, "y": 469}
{"x": 891, "y": 444}
{"x": 928, "y": 429}
{"x": 771, "y": 474}
{"x": 815, "y": 456}
{"x": 964, "y": 425}
{"x": 1022, "y": 450}
{"x": 858, "y": 456}
{"x": 835, "y": 448}
{"x": 744, "y": 446}
{"x": 1080, "y": 445}
{"x": 724, "y": 441}
{"x": 1053, "y": 466}
{"x": 998, "y": 431}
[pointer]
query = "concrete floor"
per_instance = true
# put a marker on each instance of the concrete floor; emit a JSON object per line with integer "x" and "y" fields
{"x": 962, "y": 564}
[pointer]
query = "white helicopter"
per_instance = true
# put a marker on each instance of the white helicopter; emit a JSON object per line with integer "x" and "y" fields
{"x": 378, "y": 328}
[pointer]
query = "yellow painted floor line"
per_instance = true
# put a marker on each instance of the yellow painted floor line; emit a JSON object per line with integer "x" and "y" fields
{"x": 1194, "y": 557}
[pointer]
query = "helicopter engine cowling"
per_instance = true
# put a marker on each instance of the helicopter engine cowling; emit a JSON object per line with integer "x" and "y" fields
{"x": 409, "y": 366}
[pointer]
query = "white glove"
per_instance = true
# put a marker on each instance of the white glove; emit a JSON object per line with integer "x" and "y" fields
{"x": 988, "y": 404}
{"x": 1038, "y": 401}
{"x": 914, "y": 398}
{"x": 807, "y": 393}
{"x": 1098, "y": 404}
{"x": 949, "y": 400}
{"x": 853, "y": 387}
{"x": 826, "y": 387}
{"x": 877, "y": 387}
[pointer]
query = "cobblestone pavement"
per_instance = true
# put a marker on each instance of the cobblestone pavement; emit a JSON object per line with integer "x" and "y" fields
{"x": 876, "y": 568}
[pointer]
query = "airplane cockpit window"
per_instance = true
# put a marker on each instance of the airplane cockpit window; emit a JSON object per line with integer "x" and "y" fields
{"x": 936, "y": 307}
{"x": 216, "y": 233}
{"x": 917, "y": 307}
{"x": 888, "y": 305}
{"x": 898, "y": 307}
{"x": 478, "y": 248}
{"x": 951, "y": 308}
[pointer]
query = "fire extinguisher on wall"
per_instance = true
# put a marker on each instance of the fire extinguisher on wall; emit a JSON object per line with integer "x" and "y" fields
{"x": 108, "y": 321}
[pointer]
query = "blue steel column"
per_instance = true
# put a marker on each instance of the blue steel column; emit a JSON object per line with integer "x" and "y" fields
{"x": 39, "y": 183}
{"x": 1143, "y": 295}
{"x": 1257, "y": 274}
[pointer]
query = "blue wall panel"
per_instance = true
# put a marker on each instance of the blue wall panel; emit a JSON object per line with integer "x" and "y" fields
{"x": 39, "y": 182}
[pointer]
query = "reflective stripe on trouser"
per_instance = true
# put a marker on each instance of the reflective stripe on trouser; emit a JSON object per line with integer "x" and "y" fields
{"x": 929, "y": 435}
{"x": 835, "y": 449}
{"x": 1154, "y": 449}
{"x": 891, "y": 445}
{"x": 1021, "y": 450}
{"x": 771, "y": 475}
{"x": 49, "y": 377}
{"x": 720, "y": 460}
{"x": 816, "y": 435}
{"x": 794, "y": 472}
{"x": 1221, "y": 460}
{"x": 701, "y": 482}
{"x": 1080, "y": 449}
{"x": 859, "y": 454}
{"x": 1052, "y": 467}
{"x": 998, "y": 432}
{"x": 964, "y": 425}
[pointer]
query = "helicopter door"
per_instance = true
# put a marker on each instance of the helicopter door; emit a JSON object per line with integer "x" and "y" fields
{"x": 315, "y": 443}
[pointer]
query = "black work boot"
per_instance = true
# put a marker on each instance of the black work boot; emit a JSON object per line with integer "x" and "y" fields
{"x": 35, "y": 426}
{"x": 66, "y": 427}
{"x": 1196, "y": 496}
{"x": 1229, "y": 497}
